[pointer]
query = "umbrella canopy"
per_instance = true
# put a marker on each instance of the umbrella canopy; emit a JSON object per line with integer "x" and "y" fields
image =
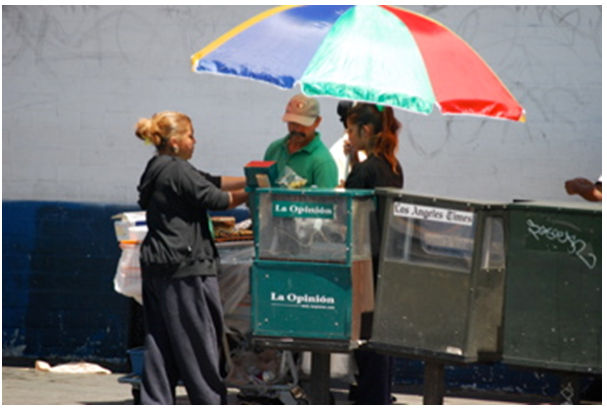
{"x": 379, "y": 54}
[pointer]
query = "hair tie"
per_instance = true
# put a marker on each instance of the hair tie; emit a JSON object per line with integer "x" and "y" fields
{"x": 380, "y": 108}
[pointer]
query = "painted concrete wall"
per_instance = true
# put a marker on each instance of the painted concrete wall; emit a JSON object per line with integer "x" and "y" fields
{"x": 58, "y": 300}
{"x": 76, "y": 79}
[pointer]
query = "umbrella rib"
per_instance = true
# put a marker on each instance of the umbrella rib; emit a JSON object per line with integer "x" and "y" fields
{"x": 235, "y": 31}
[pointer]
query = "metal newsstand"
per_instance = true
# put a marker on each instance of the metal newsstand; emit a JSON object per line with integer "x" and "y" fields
{"x": 441, "y": 282}
{"x": 312, "y": 276}
{"x": 552, "y": 306}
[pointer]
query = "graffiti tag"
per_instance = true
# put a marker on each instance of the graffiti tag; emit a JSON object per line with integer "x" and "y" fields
{"x": 576, "y": 245}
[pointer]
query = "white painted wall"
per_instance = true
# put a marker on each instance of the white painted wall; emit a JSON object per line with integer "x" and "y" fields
{"x": 76, "y": 79}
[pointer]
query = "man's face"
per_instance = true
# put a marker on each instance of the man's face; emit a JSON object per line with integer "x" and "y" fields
{"x": 302, "y": 134}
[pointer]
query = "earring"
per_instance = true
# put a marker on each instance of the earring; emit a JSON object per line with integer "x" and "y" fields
{"x": 175, "y": 149}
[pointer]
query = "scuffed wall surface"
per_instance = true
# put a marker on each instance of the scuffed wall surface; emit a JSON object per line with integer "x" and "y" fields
{"x": 77, "y": 78}
{"x": 58, "y": 299}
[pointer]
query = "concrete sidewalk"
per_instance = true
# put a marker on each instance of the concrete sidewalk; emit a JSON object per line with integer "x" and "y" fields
{"x": 21, "y": 386}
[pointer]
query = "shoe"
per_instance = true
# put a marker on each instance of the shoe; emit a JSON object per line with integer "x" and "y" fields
{"x": 353, "y": 392}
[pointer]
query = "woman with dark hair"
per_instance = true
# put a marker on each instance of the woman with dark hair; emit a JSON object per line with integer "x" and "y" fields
{"x": 373, "y": 129}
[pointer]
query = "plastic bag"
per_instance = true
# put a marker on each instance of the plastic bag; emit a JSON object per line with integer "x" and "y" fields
{"x": 292, "y": 179}
{"x": 127, "y": 280}
{"x": 81, "y": 367}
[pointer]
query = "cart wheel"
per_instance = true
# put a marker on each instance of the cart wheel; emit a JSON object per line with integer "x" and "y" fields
{"x": 136, "y": 393}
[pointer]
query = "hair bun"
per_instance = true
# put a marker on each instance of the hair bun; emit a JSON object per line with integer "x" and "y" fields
{"x": 145, "y": 130}
{"x": 158, "y": 129}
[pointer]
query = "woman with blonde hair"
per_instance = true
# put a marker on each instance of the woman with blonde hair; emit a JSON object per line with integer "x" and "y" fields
{"x": 182, "y": 310}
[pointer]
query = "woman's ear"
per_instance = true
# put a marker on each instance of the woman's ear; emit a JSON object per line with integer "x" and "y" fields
{"x": 172, "y": 144}
{"x": 367, "y": 129}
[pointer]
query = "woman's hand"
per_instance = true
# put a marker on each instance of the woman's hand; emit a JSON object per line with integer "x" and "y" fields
{"x": 237, "y": 197}
{"x": 350, "y": 152}
{"x": 230, "y": 183}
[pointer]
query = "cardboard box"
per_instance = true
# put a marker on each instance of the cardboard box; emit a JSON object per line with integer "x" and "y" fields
{"x": 261, "y": 174}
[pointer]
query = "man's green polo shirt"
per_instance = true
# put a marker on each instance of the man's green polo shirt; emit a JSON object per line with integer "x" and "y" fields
{"x": 312, "y": 162}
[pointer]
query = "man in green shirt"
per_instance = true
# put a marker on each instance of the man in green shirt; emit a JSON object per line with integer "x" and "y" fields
{"x": 302, "y": 150}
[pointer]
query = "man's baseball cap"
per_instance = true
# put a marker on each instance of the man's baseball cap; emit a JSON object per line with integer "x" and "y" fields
{"x": 302, "y": 110}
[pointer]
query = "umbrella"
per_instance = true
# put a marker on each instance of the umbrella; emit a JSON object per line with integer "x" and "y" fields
{"x": 379, "y": 54}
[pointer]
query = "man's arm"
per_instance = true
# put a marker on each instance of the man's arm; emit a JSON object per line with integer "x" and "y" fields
{"x": 585, "y": 188}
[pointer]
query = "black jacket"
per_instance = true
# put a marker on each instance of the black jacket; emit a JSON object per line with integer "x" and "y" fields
{"x": 176, "y": 197}
{"x": 375, "y": 172}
